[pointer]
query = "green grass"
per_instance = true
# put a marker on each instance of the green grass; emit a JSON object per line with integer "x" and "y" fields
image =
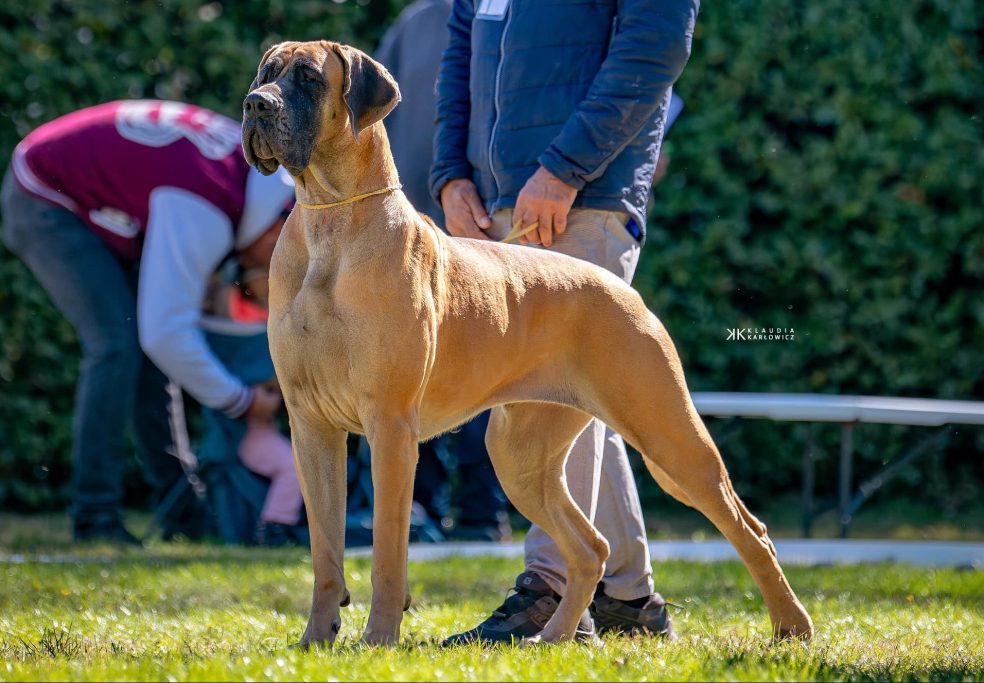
{"x": 191, "y": 612}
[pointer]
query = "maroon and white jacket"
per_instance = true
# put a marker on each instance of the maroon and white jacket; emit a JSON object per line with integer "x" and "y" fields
{"x": 164, "y": 183}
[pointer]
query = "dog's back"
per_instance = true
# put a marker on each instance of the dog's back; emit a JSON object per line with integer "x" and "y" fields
{"x": 509, "y": 314}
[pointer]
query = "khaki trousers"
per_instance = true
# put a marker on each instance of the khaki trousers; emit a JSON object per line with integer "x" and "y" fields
{"x": 598, "y": 473}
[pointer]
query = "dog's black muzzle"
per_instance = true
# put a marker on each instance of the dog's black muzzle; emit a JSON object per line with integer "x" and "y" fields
{"x": 260, "y": 111}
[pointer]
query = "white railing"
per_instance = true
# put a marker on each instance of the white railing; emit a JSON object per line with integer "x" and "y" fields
{"x": 847, "y": 411}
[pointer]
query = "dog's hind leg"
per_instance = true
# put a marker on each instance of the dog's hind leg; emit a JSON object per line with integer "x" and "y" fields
{"x": 667, "y": 484}
{"x": 670, "y": 486}
{"x": 693, "y": 464}
{"x": 528, "y": 444}
{"x": 663, "y": 424}
{"x": 319, "y": 456}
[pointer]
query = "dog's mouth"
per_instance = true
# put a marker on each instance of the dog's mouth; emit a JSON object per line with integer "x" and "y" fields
{"x": 257, "y": 148}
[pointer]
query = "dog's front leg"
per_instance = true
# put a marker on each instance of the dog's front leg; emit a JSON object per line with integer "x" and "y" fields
{"x": 393, "y": 444}
{"x": 319, "y": 455}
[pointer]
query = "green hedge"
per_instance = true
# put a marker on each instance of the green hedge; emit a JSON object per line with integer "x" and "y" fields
{"x": 825, "y": 176}
{"x": 60, "y": 56}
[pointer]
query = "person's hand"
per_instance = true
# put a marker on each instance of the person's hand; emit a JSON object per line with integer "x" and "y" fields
{"x": 547, "y": 201}
{"x": 464, "y": 214}
{"x": 265, "y": 405}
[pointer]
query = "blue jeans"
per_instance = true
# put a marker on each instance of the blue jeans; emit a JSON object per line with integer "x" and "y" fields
{"x": 118, "y": 386}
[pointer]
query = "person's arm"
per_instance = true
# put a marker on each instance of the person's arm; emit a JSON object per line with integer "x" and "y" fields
{"x": 450, "y": 178}
{"x": 650, "y": 47}
{"x": 187, "y": 237}
{"x": 453, "y": 102}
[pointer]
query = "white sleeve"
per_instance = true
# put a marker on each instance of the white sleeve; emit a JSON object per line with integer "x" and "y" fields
{"x": 187, "y": 237}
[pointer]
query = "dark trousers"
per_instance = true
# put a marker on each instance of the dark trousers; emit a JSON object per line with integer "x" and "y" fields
{"x": 460, "y": 456}
{"x": 118, "y": 386}
{"x": 477, "y": 495}
{"x": 235, "y": 494}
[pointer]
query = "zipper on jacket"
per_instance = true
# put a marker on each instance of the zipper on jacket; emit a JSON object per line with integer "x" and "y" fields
{"x": 495, "y": 99}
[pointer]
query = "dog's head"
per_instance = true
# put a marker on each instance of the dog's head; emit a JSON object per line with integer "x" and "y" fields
{"x": 306, "y": 96}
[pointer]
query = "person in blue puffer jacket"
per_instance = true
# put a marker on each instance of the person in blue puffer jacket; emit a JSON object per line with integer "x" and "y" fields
{"x": 550, "y": 118}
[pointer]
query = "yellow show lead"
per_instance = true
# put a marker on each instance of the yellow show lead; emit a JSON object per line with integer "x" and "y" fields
{"x": 356, "y": 198}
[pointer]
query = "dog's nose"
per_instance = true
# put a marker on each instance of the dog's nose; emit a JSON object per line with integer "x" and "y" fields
{"x": 258, "y": 105}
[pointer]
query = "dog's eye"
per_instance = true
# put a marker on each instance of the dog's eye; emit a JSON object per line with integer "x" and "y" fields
{"x": 309, "y": 75}
{"x": 267, "y": 73}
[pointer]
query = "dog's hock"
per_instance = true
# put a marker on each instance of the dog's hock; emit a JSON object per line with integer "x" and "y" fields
{"x": 369, "y": 91}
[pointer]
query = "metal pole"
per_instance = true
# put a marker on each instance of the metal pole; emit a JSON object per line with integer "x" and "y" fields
{"x": 809, "y": 474}
{"x": 846, "y": 457}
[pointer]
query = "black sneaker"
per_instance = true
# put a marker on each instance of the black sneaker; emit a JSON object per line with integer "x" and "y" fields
{"x": 273, "y": 535}
{"x": 112, "y": 532}
{"x": 522, "y": 615}
{"x": 631, "y": 617}
{"x": 191, "y": 522}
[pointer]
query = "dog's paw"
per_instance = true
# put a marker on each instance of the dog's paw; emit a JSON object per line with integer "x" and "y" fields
{"x": 380, "y": 639}
{"x": 802, "y": 631}
{"x": 315, "y": 636}
{"x": 591, "y": 640}
{"x": 305, "y": 645}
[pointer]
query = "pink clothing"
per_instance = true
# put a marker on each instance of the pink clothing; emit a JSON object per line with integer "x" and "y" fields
{"x": 267, "y": 452}
{"x": 103, "y": 163}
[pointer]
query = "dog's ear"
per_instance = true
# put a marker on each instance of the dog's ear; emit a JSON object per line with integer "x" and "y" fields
{"x": 370, "y": 93}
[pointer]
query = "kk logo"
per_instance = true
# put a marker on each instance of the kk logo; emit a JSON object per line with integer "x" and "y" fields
{"x": 760, "y": 334}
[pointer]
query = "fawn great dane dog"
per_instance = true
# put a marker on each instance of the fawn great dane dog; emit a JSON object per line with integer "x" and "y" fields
{"x": 383, "y": 325}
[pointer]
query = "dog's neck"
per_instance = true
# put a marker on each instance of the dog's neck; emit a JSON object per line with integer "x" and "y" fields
{"x": 327, "y": 179}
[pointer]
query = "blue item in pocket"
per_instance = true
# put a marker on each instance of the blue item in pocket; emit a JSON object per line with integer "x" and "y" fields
{"x": 633, "y": 228}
